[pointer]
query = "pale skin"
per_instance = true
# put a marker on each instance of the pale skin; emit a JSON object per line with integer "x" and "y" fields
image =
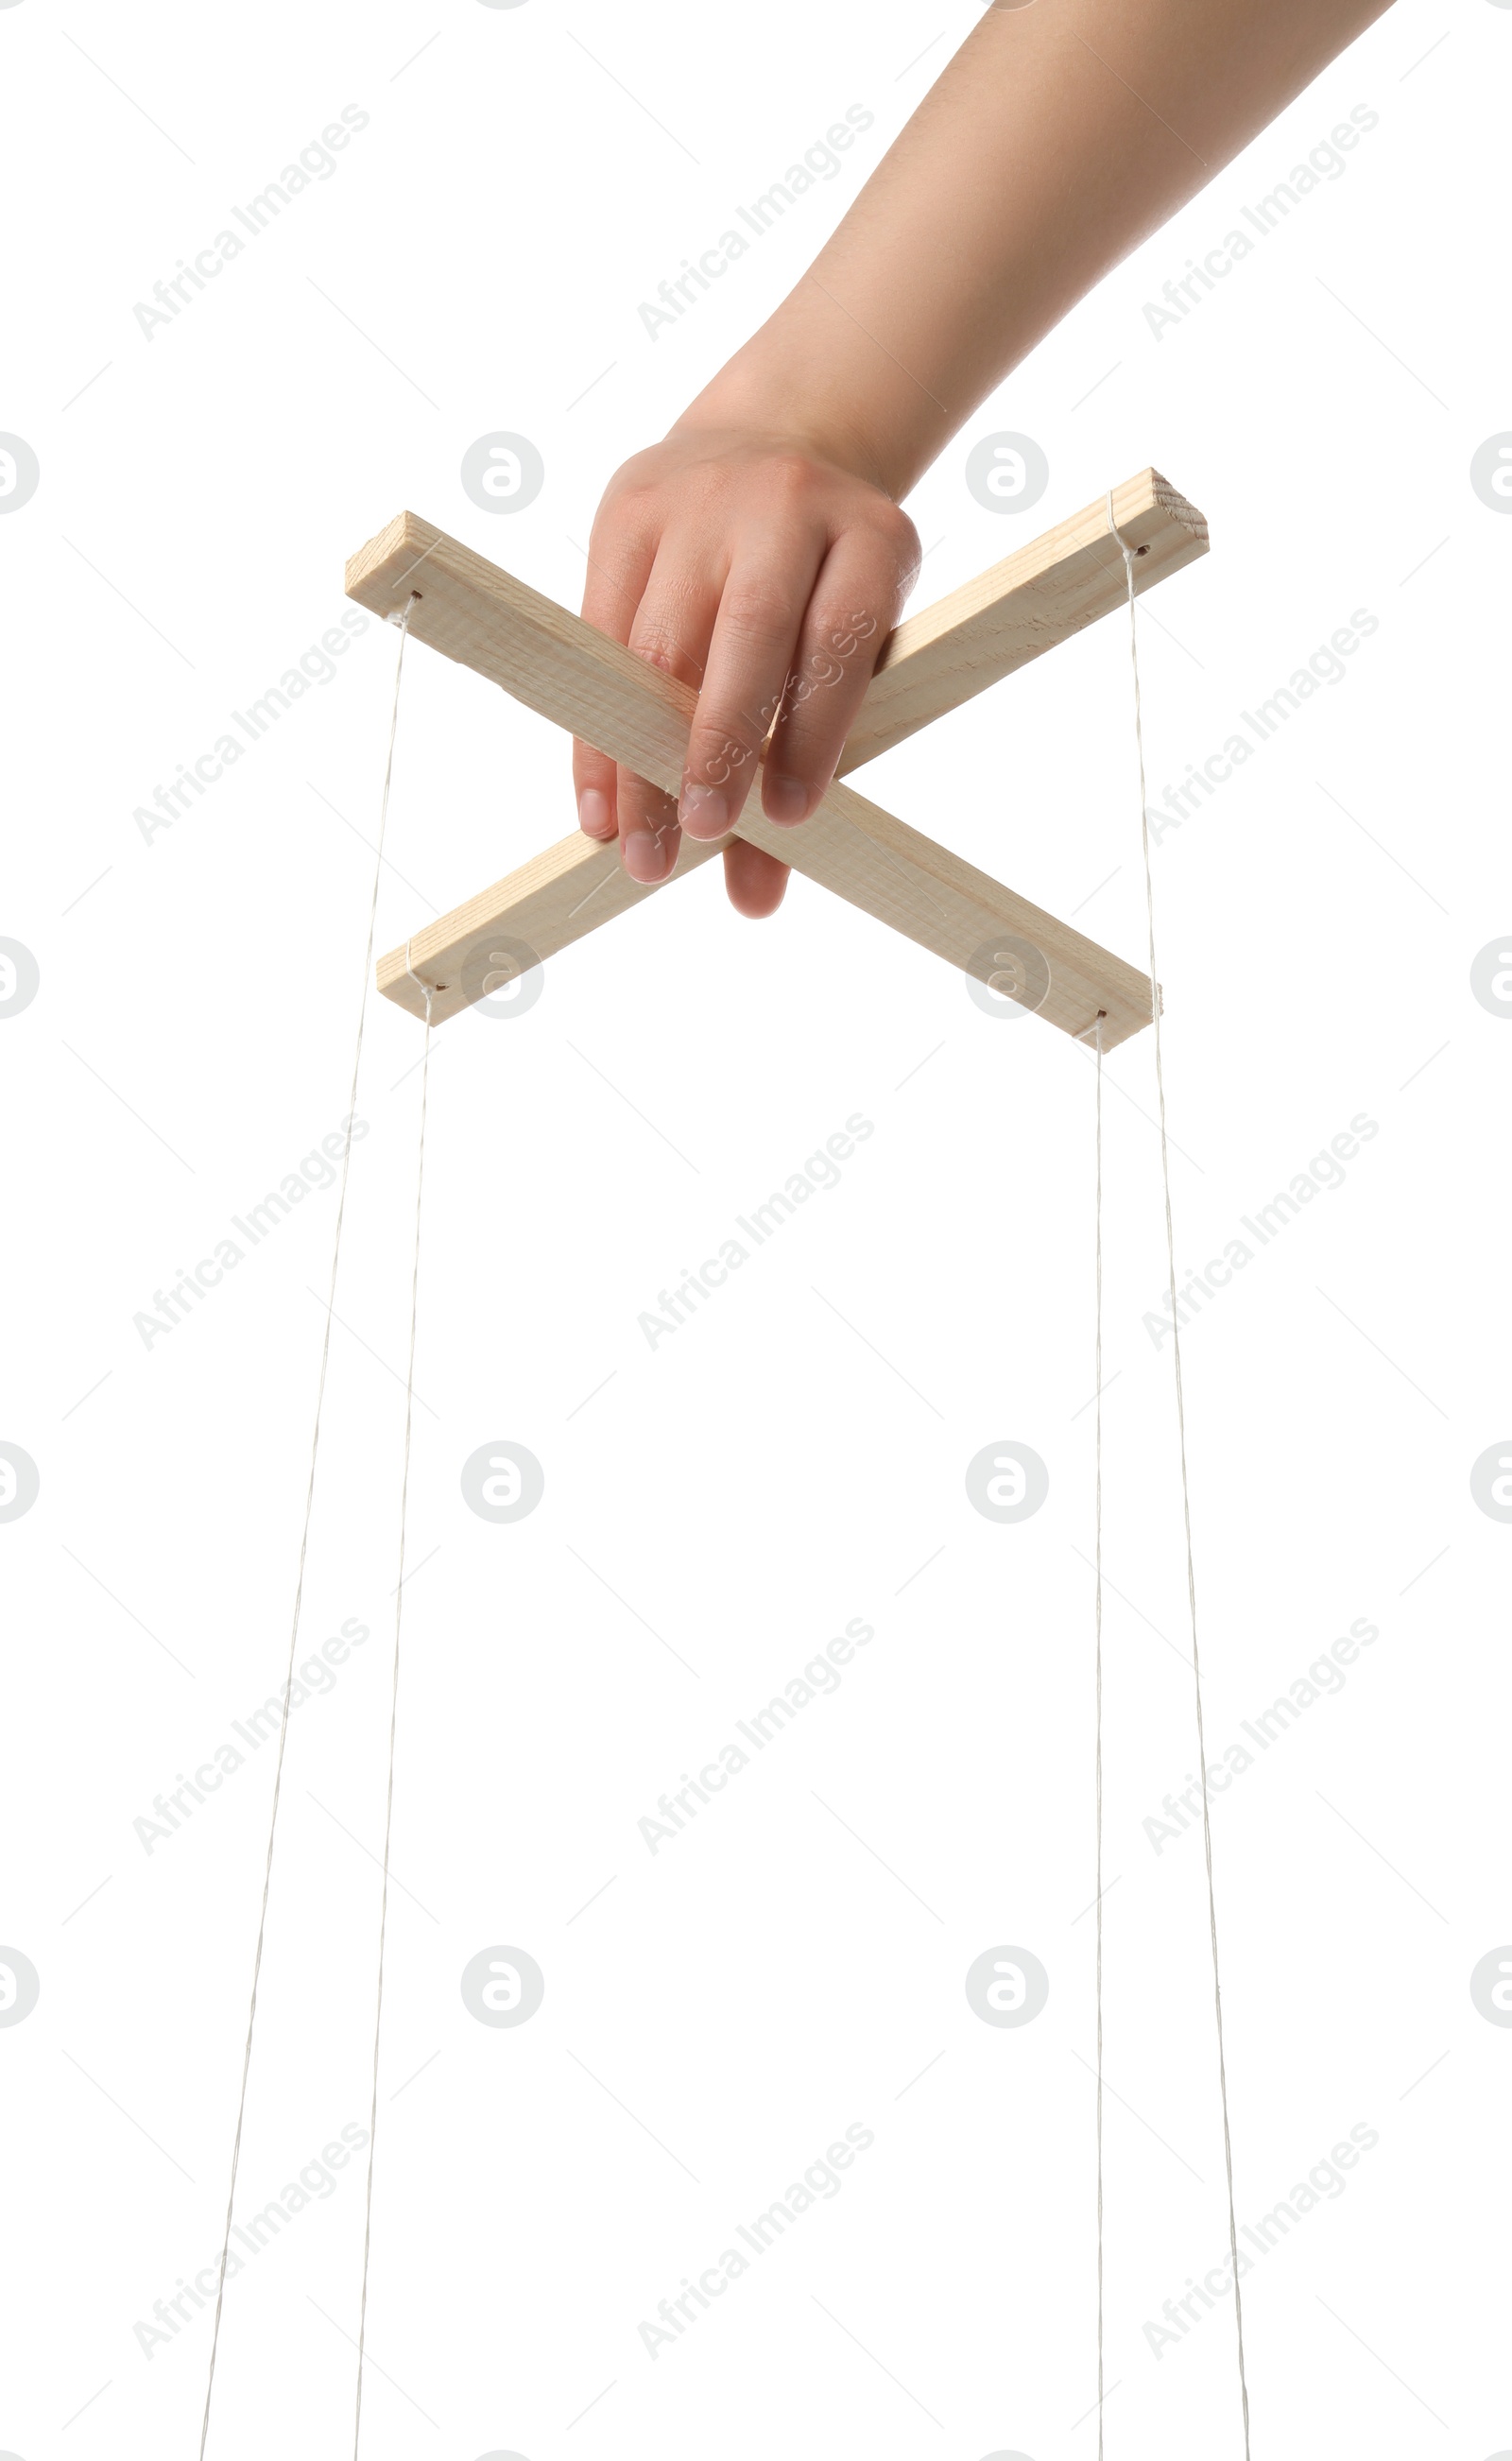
{"x": 760, "y": 553}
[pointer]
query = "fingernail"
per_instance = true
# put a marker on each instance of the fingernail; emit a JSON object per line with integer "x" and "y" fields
{"x": 704, "y": 812}
{"x": 785, "y": 799}
{"x": 645, "y": 856}
{"x": 594, "y": 818}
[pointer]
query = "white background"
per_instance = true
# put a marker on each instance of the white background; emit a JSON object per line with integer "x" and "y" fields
{"x": 794, "y": 1962}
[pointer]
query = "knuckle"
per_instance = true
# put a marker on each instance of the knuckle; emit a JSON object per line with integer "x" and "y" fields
{"x": 839, "y": 651}
{"x": 792, "y": 475}
{"x": 809, "y": 726}
{"x": 902, "y": 540}
{"x": 758, "y": 611}
{"x": 639, "y": 800}
{"x": 897, "y": 525}
{"x": 656, "y": 649}
{"x": 721, "y": 751}
{"x": 842, "y": 635}
{"x": 629, "y": 511}
{"x": 660, "y": 647}
{"x": 635, "y": 482}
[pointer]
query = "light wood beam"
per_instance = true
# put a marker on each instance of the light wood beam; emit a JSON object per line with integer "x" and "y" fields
{"x": 1033, "y": 600}
{"x": 486, "y": 618}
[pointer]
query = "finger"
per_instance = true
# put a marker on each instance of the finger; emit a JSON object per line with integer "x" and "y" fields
{"x": 621, "y": 552}
{"x": 670, "y": 630}
{"x": 594, "y": 782}
{"x": 855, "y": 603}
{"x": 649, "y": 836}
{"x": 755, "y": 881}
{"x": 756, "y": 631}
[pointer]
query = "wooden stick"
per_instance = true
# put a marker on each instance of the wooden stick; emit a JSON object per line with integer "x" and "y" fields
{"x": 483, "y": 617}
{"x": 1056, "y": 586}
{"x": 852, "y": 846}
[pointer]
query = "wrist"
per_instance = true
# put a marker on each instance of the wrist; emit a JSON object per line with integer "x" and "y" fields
{"x": 771, "y": 406}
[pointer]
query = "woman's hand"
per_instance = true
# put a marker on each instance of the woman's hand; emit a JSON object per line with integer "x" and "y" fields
{"x": 762, "y": 541}
{"x": 766, "y": 575}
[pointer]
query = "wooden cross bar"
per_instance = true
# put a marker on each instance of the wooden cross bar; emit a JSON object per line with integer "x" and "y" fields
{"x": 639, "y": 716}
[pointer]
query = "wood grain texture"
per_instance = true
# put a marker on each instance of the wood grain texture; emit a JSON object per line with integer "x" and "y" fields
{"x": 557, "y": 897}
{"x": 1033, "y": 600}
{"x": 854, "y": 848}
{"x": 551, "y": 659}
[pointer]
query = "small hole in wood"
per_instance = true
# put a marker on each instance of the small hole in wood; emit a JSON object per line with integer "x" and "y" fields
{"x": 1139, "y": 551}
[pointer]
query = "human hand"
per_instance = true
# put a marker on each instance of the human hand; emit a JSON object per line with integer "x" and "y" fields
{"x": 767, "y": 576}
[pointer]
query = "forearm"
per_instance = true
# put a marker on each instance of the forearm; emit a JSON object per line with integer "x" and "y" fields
{"x": 737, "y": 552}
{"x": 1058, "y": 137}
